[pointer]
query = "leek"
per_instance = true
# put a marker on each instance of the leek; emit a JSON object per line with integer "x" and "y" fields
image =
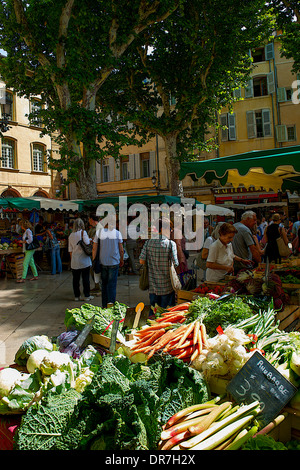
{"x": 243, "y": 409}
{"x": 220, "y": 436}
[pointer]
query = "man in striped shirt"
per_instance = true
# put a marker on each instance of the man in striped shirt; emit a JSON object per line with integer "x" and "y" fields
{"x": 157, "y": 253}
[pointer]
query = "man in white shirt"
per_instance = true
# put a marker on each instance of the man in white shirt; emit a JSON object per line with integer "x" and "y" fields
{"x": 111, "y": 258}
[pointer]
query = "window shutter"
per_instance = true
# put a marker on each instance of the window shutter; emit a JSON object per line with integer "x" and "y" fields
{"x": 118, "y": 169}
{"x": 152, "y": 163}
{"x": 269, "y": 51}
{"x": 251, "y": 124}
{"x": 271, "y": 82}
{"x": 137, "y": 161}
{"x": 281, "y": 94}
{"x": 237, "y": 93}
{"x": 98, "y": 172}
{"x": 249, "y": 89}
{"x": 131, "y": 168}
{"x": 224, "y": 132}
{"x": 266, "y": 119}
{"x": 231, "y": 127}
{"x": 111, "y": 165}
{"x": 281, "y": 133}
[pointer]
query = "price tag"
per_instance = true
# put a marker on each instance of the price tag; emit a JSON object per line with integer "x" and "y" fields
{"x": 259, "y": 380}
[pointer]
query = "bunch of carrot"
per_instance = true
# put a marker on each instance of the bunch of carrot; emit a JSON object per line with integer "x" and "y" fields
{"x": 184, "y": 342}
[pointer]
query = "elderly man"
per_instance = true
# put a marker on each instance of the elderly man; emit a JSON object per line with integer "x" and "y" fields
{"x": 243, "y": 244}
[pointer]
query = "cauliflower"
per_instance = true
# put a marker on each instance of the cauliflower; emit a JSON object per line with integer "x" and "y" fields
{"x": 83, "y": 379}
{"x": 54, "y": 360}
{"x": 8, "y": 378}
{"x": 35, "y": 359}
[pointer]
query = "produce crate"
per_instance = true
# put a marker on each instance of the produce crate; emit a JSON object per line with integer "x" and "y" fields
{"x": 289, "y": 318}
{"x": 187, "y": 295}
{"x": 292, "y": 431}
{"x": 103, "y": 341}
{"x": 295, "y": 297}
{"x": 14, "y": 265}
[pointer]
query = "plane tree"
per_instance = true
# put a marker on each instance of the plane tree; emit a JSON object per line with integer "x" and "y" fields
{"x": 64, "y": 51}
{"x": 178, "y": 74}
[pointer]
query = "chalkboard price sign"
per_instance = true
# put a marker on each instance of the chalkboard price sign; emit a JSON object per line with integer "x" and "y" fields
{"x": 259, "y": 380}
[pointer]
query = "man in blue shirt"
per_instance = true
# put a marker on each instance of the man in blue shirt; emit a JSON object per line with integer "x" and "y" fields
{"x": 111, "y": 258}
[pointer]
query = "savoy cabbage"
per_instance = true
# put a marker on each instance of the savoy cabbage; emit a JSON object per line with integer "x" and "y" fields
{"x": 123, "y": 408}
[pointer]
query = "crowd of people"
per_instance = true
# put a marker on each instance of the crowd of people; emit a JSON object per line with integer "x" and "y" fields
{"x": 227, "y": 248}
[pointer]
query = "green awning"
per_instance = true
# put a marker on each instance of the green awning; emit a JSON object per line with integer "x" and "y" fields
{"x": 257, "y": 167}
{"x": 89, "y": 204}
{"x": 36, "y": 203}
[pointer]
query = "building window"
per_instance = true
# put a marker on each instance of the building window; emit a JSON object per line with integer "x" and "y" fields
{"x": 228, "y": 131}
{"x": 35, "y": 108}
{"x": 259, "y": 123}
{"x": 260, "y": 86}
{"x": 258, "y": 55}
{"x": 284, "y": 94}
{"x": 145, "y": 165}
{"x": 38, "y": 158}
{"x": 8, "y": 109}
{"x": 8, "y": 154}
{"x": 285, "y": 133}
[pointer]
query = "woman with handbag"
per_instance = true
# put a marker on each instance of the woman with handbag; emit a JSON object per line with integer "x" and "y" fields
{"x": 80, "y": 261}
{"x": 27, "y": 240}
{"x": 272, "y": 233}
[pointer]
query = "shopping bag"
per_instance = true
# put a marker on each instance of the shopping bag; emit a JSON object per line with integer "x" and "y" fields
{"x": 88, "y": 249}
{"x": 283, "y": 249}
{"x": 144, "y": 277}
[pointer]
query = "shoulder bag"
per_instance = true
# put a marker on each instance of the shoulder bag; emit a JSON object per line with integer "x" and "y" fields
{"x": 87, "y": 249}
{"x": 283, "y": 249}
{"x": 33, "y": 245}
{"x": 96, "y": 261}
{"x": 175, "y": 281}
{"x": 144, "y": 275}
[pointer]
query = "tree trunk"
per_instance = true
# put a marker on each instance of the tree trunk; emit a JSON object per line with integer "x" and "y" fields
{"x": 86, "y": 182}
{"x": 86, "y": 178}
{"x": 173, "y": 165}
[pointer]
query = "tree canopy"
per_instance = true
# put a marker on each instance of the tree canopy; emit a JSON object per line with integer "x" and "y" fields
{"x": 64, "y": 51}
{"x": 179, "y": 73}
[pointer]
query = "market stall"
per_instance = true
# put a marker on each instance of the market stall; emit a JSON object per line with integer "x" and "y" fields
{"x": 117, "y": 379}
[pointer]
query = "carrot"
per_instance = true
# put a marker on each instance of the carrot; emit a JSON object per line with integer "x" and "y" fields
{"x": 189, "y": 329}
{"x": 163, "y": 341}
{"x": 156, "y": 327}
{"x": 196, "y": 329}
{"x": 184, "y": 305}
{"x": 185, "y": 353}
{"x": 199, "y": 344}
{"x": 149, "y": 341}
{"x": 203, "y": 335}
{"x": 195, "y": 354}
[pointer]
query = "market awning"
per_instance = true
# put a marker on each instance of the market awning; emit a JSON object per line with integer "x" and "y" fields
{"x": 210, "y": 209}
{"x": 266, "y": 168}
{"x": 147, "y": 200}
{"x": 38, "y": 203}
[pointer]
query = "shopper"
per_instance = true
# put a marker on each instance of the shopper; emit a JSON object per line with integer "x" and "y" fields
{"x": 80, "y": 262}
{"x": 272, "y": 232}
{"x": 27, "y": 239}
{"x": 54, "y": 249}
{"x": 93, "y": 221}
{"x": 243, "y": 244}
{"x": 111, "y": 256}
{"x": 221, "y": 256}
{"x": 157, "y": 253}
{"x": 296, "y": 226}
